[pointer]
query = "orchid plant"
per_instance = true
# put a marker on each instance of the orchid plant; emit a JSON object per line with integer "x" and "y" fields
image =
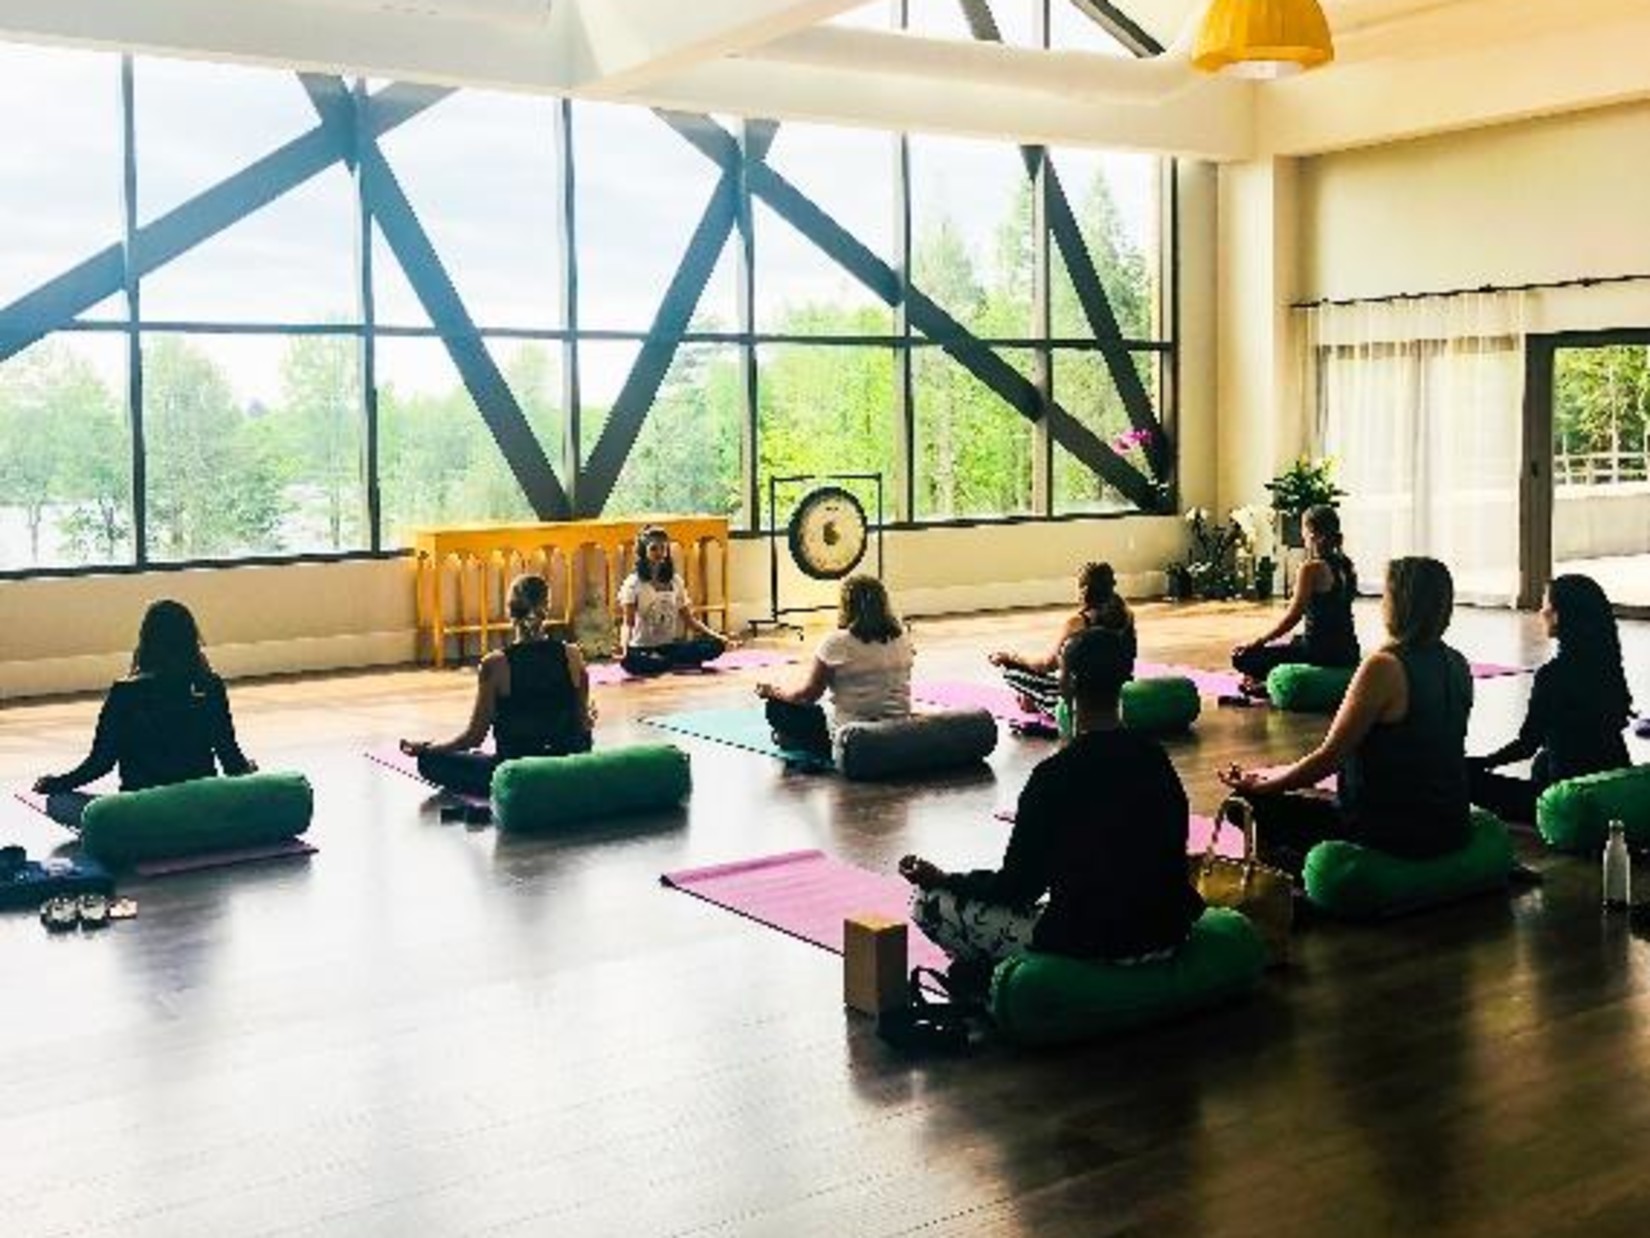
{"x": 1134, "y": 447}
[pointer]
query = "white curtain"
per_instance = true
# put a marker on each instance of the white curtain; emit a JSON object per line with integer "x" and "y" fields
{"x": 1420, "y": 403}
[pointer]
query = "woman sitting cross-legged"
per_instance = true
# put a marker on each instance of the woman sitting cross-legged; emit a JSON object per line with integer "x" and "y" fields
{"x": 1325, "y": 588}
{"x": 1036, "y": 679}
{"x": 168, "y": 721}
{"x": 1579, "y": 706}
{"x": 865, "y": 665}
{"x": 534, "y": 695}
{"x": 660, "y": 632}
{"x": 1398, "y": 742}
{"x": 1100, "y": 829}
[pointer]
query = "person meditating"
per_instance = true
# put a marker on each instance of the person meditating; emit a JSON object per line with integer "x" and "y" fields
{"x": 1579, "y": 706}
{"x": 1398, "y": 742}
{"x": 533, "y": 695}
{"x": 1036, "y": 679}
{"x": 1325, "y": 588}
{"x": 168, "y": 721}
{"x": 657, "y": 632}
{"x": 1100, "y": 829}
{"x": 865, "y": 665}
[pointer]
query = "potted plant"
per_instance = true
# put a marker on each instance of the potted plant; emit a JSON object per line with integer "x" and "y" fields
{"x": 1304, "y": 484}
{"x": 1180, "y": 582}
{"x": 1210, "y": 568}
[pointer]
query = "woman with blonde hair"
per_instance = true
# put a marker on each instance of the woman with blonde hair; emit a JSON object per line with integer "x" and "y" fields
{"x": 1398, "y": 743}
{"x": 533, "y": 695}
{"x": 865, "y": 665}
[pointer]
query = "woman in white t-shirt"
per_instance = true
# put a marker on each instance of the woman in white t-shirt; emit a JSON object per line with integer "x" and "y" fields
{"x": 865, "y": 665}
{"x": 660, "y": 631}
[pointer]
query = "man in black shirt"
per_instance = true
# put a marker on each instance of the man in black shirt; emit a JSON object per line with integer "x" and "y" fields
{"x": 1100, "y": 829}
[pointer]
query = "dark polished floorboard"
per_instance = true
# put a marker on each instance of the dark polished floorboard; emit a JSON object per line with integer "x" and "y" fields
{"x": 428, "y": 1029}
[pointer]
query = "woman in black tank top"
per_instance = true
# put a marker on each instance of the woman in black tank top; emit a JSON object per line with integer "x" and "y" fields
{"x": 1321, "y": 606}
{"x": 1398, "y": 744}
{"x": 534, "y": 696}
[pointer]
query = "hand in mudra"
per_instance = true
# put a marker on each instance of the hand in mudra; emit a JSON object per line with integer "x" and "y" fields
{"x": 920, "y": 873}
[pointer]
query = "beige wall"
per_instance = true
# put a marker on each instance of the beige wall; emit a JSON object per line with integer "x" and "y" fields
{"x": 1542, "y": 200}
{"x": 1545, "y": 200}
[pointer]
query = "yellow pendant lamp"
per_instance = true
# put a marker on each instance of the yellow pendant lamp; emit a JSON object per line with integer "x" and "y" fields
{"x": 1263, "y": 38}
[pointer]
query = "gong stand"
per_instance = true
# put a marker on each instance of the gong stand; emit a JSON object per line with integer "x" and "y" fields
{"x": 776, "y": 612}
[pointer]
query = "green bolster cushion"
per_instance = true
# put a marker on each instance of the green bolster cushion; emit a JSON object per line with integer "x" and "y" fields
{"x": 1160, "y": 705}
{"x": 1360, "y": 883}
{"x": 915, "y": 745}
{"x": 1304, "y": 689}
{"x": 187, "y": 818}
{"x": 1575, "y": 815}
{"x": 541, "y": 793}
{"x": 1048, "y": 999}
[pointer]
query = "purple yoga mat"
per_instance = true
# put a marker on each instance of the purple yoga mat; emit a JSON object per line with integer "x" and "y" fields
{"x": 732, "y": 660}
{"x": 390, "y": 756}
{"x": 807, "y": 894}
{"x": 1199, "y": 830}
{"x": 290, "y": 848}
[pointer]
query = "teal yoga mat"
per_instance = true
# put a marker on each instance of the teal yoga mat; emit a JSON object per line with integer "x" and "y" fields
{"x": 745, "y": 728}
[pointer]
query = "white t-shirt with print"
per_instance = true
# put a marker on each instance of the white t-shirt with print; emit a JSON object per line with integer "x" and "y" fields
{"x": 658, "y": 610}
{"x": 870, "y": 680}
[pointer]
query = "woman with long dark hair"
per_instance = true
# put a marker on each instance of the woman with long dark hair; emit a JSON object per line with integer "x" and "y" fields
{"x": 1035, "y": 678}
{"x": 1579, "y": 705}
{"x": 659, "y": 631}
{"x": 865, "y": 665}
{"x": 168, "y": 721}
{"x": 1321, "y": 605}
{"x": 533, "y": 695}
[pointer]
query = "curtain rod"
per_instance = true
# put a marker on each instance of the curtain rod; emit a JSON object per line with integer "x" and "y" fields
{"x": 1584, "y": 281}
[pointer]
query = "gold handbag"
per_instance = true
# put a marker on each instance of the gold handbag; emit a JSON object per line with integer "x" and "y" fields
{"x": 1262, "y": 893}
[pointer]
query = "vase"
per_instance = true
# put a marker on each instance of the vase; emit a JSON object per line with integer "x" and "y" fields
{"x": 1289, "y": 530}
{"x": 1179, "y": 581}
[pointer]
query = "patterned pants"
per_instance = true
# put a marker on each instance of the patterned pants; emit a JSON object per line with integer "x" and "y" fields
{"x": 971, "y": 930}
{"x": 1041, "y": 690}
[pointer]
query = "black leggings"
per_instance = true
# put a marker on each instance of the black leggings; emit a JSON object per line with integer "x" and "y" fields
{"x": 657, "y": 659}
{"x": 1261, "y": 661}
{"x": 1510, "y": 798}
{"x": 799, "y": 728}
{"x": 1290, "y": 824}
{"x": 471, "y": 773}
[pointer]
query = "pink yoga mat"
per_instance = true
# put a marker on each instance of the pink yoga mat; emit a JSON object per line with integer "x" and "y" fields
{"x": 1199, "y": 830}
{"x": 994, "y": 698}
{"x": 291, "y": 848}
{"x": 1209, "y": 683}
{"x": 391, "y": 757}
{"x": 1495, "y": 670}
{"x": 807, "y": 894}
{"x": 732, "y": 660}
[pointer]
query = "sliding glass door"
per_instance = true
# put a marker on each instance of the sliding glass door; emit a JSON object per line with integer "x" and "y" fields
{"x": 1588, "y": 476}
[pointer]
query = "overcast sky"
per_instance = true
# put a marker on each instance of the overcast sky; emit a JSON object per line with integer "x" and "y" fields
{"x": 478, "y": 168}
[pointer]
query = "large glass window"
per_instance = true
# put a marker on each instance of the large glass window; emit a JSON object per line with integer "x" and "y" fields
{"x": 60, "y": 164}
{"x": 1084, "y": 387}
{"x": 973, "y": 449}
{"x": 254, "y": 445}
{"x": 494, "y": 223}
{"x": 254, "y": 343}
{"x": 641, "y": 191}
{"x": 800, "y": 289}
{"x": 972, "y": 250}
{"x": 826, "y": 409}
{"x": 65, "y": 454}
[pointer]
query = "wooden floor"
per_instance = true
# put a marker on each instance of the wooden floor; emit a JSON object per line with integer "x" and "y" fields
{"x": 427, "y": 1029}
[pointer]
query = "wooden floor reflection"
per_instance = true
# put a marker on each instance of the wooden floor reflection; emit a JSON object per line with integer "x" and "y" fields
{"x": 427, "y": 1029}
